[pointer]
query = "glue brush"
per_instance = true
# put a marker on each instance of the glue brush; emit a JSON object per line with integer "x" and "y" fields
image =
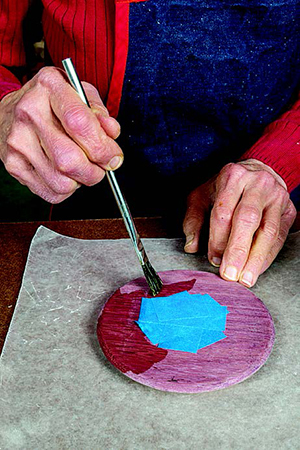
{"x": 153, "y": 280}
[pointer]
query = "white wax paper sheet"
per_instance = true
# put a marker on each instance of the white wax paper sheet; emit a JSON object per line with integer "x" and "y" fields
{"x": 58, "y": 391}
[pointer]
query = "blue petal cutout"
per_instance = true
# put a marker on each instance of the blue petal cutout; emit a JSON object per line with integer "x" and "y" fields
{"x": 183, "y": 321}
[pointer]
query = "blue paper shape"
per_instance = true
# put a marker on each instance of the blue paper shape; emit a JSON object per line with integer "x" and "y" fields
{"x": 183, "y": 321}
{"x": 181, "y": 338}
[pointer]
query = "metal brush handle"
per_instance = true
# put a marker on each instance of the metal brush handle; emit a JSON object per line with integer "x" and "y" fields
{"x": 127, "y": 217}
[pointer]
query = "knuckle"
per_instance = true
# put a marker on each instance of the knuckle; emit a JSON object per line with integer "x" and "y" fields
{"x": 16, "y": 166}
{"x": 12, "y": 168}
{"x": 222, "y": 214}
{"x": 47, "y": 76}
{"x": 77, "y": 120}
{"x": 231, "y": 174}
{"x": 68, "y": 163}
{"x": 228, "y": 168}
{"x": 283, "y": 195}
{"x": 249, "y": 216}
{"x": 235, "y": 171}
{"x": 13, "y": 139}
{"x": 63, "y": 186}
{"x": 105, "y": 150}
{"x": 280, "y": 197}
{"x": 239, "y": 252}
{"x": 28, "y": 110}
{"x": 23, "y": 111}
{"x": 271, "y": 230}
{"x": 292, "y": 211}
{"x": 48, "y": 194}
{"x": 265, "y": 176}
{"x": 265, "y": 180}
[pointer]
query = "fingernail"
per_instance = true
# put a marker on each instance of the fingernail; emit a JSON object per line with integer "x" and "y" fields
{"x": 215, "y": 261}
{"x": 189, "y": 239}
{"x": 231, "y": 273}
{"x": 247, "y": 278}
{"x": 115, "y": 162}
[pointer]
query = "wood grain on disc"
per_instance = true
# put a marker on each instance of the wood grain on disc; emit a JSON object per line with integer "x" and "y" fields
{"x": 249, "y": 330}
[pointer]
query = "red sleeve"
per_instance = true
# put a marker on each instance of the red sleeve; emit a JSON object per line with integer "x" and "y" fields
{"x": 279, "y": 147}
{"x": 12, "y": 13}
{"x": 8, "y": 82}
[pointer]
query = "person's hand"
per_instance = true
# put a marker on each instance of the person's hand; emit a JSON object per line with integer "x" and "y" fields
{"x": 51, "y": 141}
{"x": 250, "y": 219}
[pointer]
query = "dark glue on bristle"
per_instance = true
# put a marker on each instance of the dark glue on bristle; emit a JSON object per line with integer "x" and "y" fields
{"x": 153, "y": 280}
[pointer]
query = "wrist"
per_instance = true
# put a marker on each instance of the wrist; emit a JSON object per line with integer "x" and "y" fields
{"x": 255, "y": 165}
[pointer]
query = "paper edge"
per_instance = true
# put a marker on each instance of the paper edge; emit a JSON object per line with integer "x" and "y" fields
{"x": 20, "y": 290}
{"x": 56, "y": 234}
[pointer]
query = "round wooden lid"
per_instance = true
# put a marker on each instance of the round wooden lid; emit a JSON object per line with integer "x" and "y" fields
{"x": 249, "y": 330}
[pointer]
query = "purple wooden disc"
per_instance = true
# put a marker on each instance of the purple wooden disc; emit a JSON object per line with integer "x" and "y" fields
{"x": 249, "y": 330}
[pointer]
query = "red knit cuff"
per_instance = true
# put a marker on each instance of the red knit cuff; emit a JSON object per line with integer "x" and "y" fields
{"x": 8, "y": 82}
{"x": 279, "y": 148}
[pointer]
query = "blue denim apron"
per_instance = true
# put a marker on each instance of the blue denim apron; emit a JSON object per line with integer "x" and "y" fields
{"x": 203, "y": 79}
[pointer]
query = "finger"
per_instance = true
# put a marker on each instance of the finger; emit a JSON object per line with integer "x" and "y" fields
{"x": 79, "y": 122}
{"x": 245, "y": 222}
{"x": 67, "y": 158}
{"x": 226, "y": 201}
{"x": 108, "y": 123}
{"x": 83, "y": 127}
{"x": 250, "y": 274}
{"x": 20, "y": 168}
{"x": 59, "y": 162}
{"x": 25, "y": 142}
{"x": 265, "y": 238}
{"x": 194, "y": 219}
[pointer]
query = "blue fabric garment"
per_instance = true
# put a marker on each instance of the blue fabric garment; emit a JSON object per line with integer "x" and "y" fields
{"x": 203, "y": 79}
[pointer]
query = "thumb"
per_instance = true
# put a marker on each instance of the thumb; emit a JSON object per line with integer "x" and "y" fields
{"x": 194, "y": 219}
{"x": 108, "y": 123}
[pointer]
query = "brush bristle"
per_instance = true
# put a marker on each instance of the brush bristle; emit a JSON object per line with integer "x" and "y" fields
{"x": 153, "y": 280}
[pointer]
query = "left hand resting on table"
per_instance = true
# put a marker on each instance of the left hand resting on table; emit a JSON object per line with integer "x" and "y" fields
{"x": 250, "y": 218}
